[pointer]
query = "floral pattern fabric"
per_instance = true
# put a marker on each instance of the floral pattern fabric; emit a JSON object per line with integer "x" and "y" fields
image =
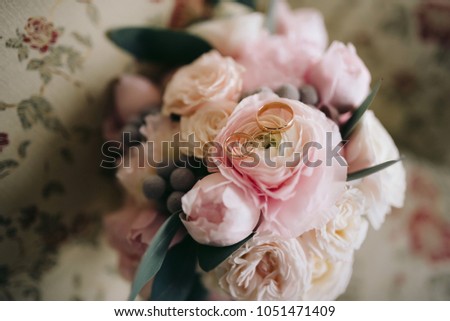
{"x": 56, "y": 62}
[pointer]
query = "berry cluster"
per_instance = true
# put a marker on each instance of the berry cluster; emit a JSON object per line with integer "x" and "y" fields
{"x": 172, "y": 181}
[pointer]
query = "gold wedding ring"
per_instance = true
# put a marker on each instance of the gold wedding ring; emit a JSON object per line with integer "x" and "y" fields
{"x": 239, "y": 145}
{"x": 281, "y": 110}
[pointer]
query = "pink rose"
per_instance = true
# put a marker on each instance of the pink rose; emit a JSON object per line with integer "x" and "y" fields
{"x": 298, "y": 195}
{"x": 304, "y": 25}
{"x": 369, "y": 145}
{"x": 134, "y": 94}
{"x": 218, "y": 212}
{"x": 40, "y": 33}
{"x": 274, "y": 60}
{"x": 209, "y": 78}
{"x": 341, "y": 77}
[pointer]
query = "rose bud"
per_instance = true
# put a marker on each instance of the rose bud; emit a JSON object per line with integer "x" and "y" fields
{"x": 218, "y": 212}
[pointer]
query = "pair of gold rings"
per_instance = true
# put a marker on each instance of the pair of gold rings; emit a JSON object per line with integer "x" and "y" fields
{"x": 240, "y": 145}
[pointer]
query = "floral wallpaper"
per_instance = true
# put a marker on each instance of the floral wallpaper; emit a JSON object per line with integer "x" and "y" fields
{"x": 55, "y": 64}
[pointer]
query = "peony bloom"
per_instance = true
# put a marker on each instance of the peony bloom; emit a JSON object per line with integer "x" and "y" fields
{"x": 265, "y": 268}
{"x": 297, "y": 182}
{"x": 370, "y": 145}
{"x": 134, "y": 94}
{"x": 341, "y": 77}
{"x": 205, "y": 124}
{"x": 346, "y": 232}
{"x": 218, "y": 212}
{"x": 209, "y": 78}
{"x": 40, "y": 33}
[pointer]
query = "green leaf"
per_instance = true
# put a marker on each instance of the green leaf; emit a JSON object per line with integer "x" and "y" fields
{"x": 45, "y": 74}
{"x": 22, "y": 53}
{"x": 198, "y": 291}
{"x": 175, "y": 279}
{"x": 271, "y": 23}
{"x": 34, "y": 64}
{"x": 22, "y": 149}
{"x": 4, "y": 106}
{"x": 348, "y": 128}
{"x": 371, "y": 170}
{"x": 37, "y": 109}
{"x": 85, "y": 40}
{"x": 248, "y": 3}
{"x": 154, "y": 255}
{"x": 92, "y": 13}
{"x": 160, "y": 45}
{"x": 211, "y": 256}
{"x": 15, "y": 43}
{"x": 6, "y": 166}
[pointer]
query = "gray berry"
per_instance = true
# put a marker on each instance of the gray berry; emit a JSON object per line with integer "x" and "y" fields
{"x": 182, "y": 179}
{"x": 166, "y": 168}
{"x": 309, "y": 95}
{"x": 154, "y": 187}
{"x": 288, "y": 91}
{"x": 174, "y": 201}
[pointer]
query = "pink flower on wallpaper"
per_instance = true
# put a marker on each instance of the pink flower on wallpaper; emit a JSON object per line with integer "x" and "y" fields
{"x": 40, "y": 34}
{"x": 430, "y": 235}
{"x": 434, "y": 21}
{"x": 4, "y": 141}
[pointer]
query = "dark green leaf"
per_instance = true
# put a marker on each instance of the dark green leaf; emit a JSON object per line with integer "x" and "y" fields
{"x": 6, "y": 166}
{"x": 22, "y": 149}
{"x": 248, "y": 3}
{"x": 371, "y": 170}
{"x": 348, "y": 128}
{"x": 198, "y": 291}
{"x": 154, "y": 255}
{"x": 160, "y": 45}
{"x": 211, "y": 256}
{"x": 176, "y": 277}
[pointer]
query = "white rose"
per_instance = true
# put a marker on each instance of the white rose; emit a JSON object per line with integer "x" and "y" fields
{"x": 345, "y": 232}
{"x": 370, "y": 145}
{"x": 329, "y": 278}
{"x": 266, "y": 268}
{"x": 205, "y": 124}
{"x": 229, "y": 35}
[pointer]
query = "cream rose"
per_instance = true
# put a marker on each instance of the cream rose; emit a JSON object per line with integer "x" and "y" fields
{"x": 329, "y": 278}
{"x": 265, "y": 268}
{"x": 205, "y": 124}
{"x": 218, "y": 212}
{"x": 345, "y": 232}
{"x": 369, "y": 145}
{"x": 209, "y": 78}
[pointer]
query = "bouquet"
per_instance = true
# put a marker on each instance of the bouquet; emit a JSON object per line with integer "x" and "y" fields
{"x": 250, "y": 163}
